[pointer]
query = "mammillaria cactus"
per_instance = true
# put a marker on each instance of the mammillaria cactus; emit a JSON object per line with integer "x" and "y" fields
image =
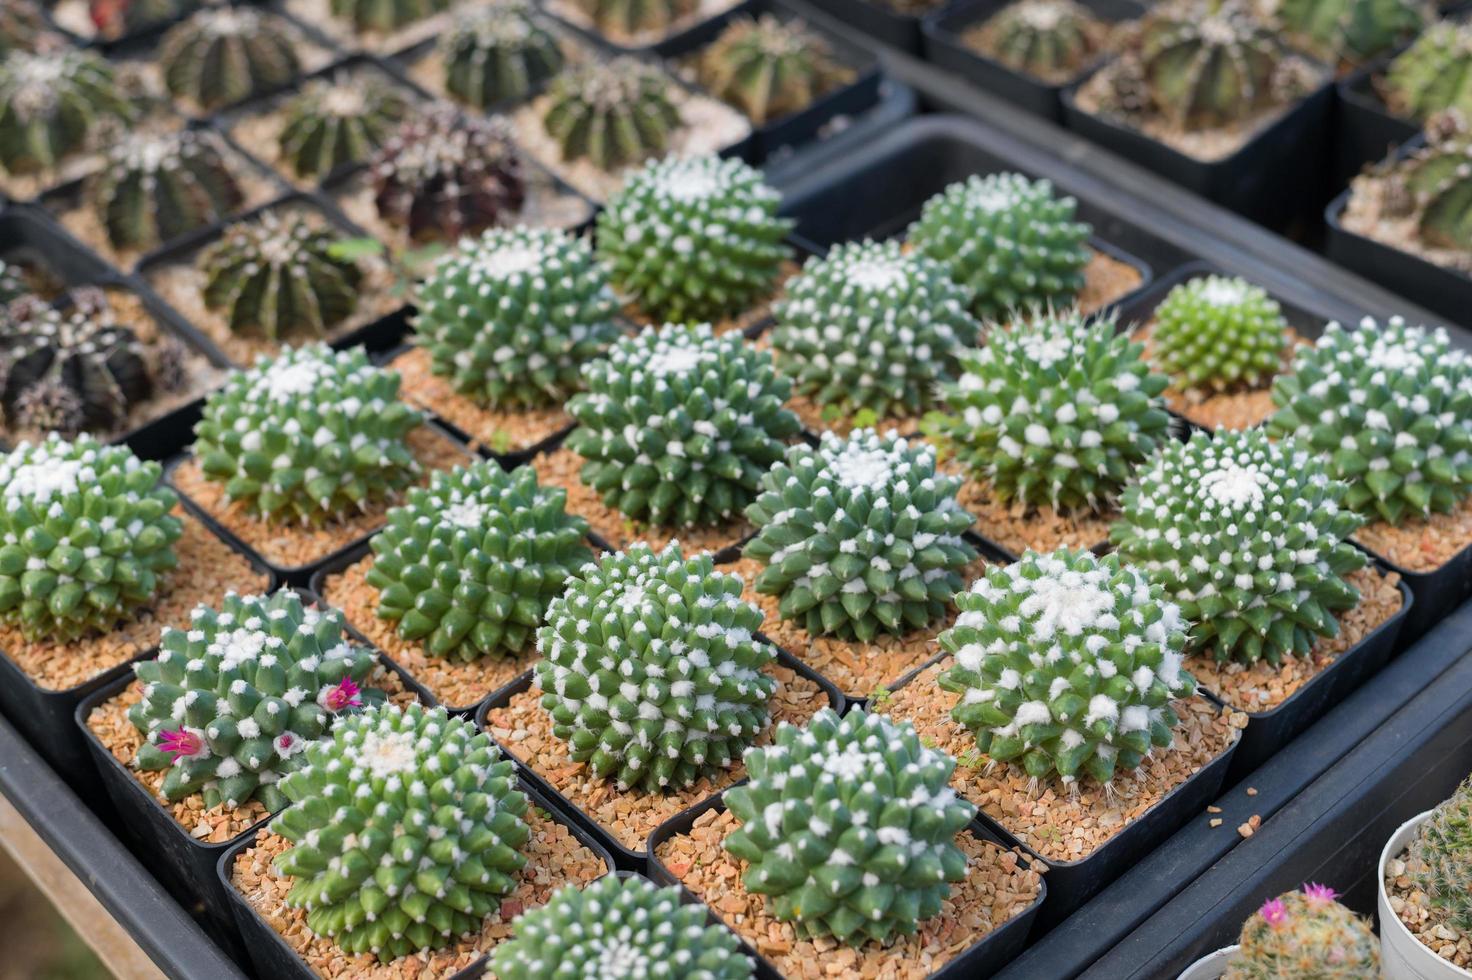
{"x": 277, "y": 274}
{"x": 1351, "y": 31}
{"x": 308, "y": 435}
{"x": 1432, "y": 186}
{"x": 1249, "y": 536}
{"x": 694, "y": 239}
{"x": 385, "y": 15}
{"x": 1011, "y": 241}
{"x": 231, "y": 703}
{"x": 651, "y": 671}
{"x": 115, "y": 19}
{"x": 1217, "y": 332}
{"x": 85, "y": 535}
{"x": 614, "y": 113}
{"x": 407, "y": 829}
{"x": 848, "y": 827}
{"x": 769, "y": 68}
{"x": 512, "y": 317}
{"x": 498, "y": 52}
{"x": 1389, "y": 410}
{"x": 1057, "y": 411}
{"x": 330, "y": 124}
{"x": 1305, "y": 935}
{"x": 441, "y": 176}
{"x": 677, "y": 425}
{"x": 224, "y": 54}
{"x": 154, "y": 188}
{"x": 860, "y": 536}
{"x": 1439, "y": 859}
{"x": 1049, "y": 39}
{"x": 1434, "y": 74}
{"x": 51, "y": 103}
{"x": 627, "y": 17}
{"x": 614, "y": 924}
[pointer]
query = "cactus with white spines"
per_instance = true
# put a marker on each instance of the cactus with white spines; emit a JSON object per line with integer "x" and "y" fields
{"x": 53, "y": 102}
{"x": 769, "y": 68}
{"x": 222, "y": 55}
{"x": 1216, "y": 332}
{"x": 1305, "y": 934}
{"x": 498, "y": 52}
{"x": 332, "y": 123}
{"x": 154, "y": 188}
{"x": 615, "y": 113}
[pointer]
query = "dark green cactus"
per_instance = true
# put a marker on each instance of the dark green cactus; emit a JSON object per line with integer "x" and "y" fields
{"x": 330, "y": 124}
{"x": 498, "y": 53}
{"x": 384, "y": 16}
{"x": 1434, "y": 74}
{"x": 1432, "y": 185}
{"x": 625, "y": 17}
{"x": 154, "y": 188}
{"x": 614, "y": 113}
{"x": 1049, "y": 39}
{"x": 1351, "y": 31}
{"x": 769, "y": 68}
{"x": 225, "y": 54}
{"x": 51, "y": 104}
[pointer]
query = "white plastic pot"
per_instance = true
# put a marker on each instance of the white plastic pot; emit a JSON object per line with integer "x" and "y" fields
{"x": 1210, "y": 967}
{"x": 1402, "y": 957}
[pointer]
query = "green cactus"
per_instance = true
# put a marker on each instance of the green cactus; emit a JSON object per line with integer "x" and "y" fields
{"x": 1011, "y": 241}
{"x": 1249, "y": 536}
{"x": 222, "y": 55}
{"x": 615, "y": 113}
{"x": 230, "y": 704}
{"x": 1434, "y": 74}
{"x": 407, "y": 830}
{"x": 21, "y": 26}
{"x": 512, "y": 317}
{"x": 1431, "y": 186}
{"x": 1351, "y": 31}
{"x": 116, "y": 19}
{"x": 848, "y": 827}
{"x": 651, "y": 671}
{"x": 1218, "y": 332}
{"x": 384, "y": 16}
{"x": 1439, "y": 861}
{"x": 677, "y": 425}
{"x": 1049, "y": 39}
{"x": 308, "y": 435}
{"x": 498, "y": 53}
{"x": 1305, "y": 934}
{"x": 154, "y": 188}
{"x": 769, "y": 68}
{"x": 330, "y": 124}
{"x": 625, "y": 17}
{"x": 86, "y": 532}
{"x": 52, "y": 104}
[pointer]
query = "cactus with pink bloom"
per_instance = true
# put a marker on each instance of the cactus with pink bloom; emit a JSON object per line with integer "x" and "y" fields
{"x": 1306, "y": 934}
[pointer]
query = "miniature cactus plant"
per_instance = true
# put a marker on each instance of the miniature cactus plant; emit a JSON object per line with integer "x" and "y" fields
{"x": 1011, "y": 241}
{"x": 308, "y": 435}
{"x": 1217, "y": 332}
{"x": 677, "y": 425}
{"x": 222, "y": 55}
{"x": 52, "y": 102}
{"x": 625, "y": 17}
{"x": 333, "y": 123}
{"x": 1048, "y": 39}
{"x": 497, "y": 53}
{"x": 154, "y": 188}
{"x": 384, "y": 16}
{"x": 21, "y": 26}
{"x": 230, "y": 704}
{"x": 512, "y": 317}
{"x": 440, "y": 176}
{"x": 468, "y": 565}
{"x": 1305, "y": 934}
{"x": 848, "y": 827}
{"x": 407, "y": 830}
{"x": 651, "y": 671}
{"x": 1389, "y": 410}
{"x": 614, "y": 113}
{"x": 860, "y": 536}
{"x": 1058, "y": 411}
{"x": 769, "y": 68}
{"x": 115, "y": 19}
{"x": 1434, "y": 74}
{"x": 869, "y": 327}
{"x": 614, "y": 924}
{"x": 1439, "y": 859}
{"x": 1431, "y": 186}
{"x": 694, "y": 239}
{"x": 1350, "y": 31}
{"x": 1249, "y": 536}
{"x": 87, "y": 534}
{"x": 278, "y": 275}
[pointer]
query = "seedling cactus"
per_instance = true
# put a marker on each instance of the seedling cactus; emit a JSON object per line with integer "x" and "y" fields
{"x": 1216, "y": 332}
{"x": 52, "y": 101}
{"x": 1305, "y": 934}
{"x": 1351, "y": 31}
{"x": 1434, "y": 74}
{"x": 625, "y": 17}
{"x": 225, "y": 54}
{"x": 615, "y": 113}
{"x": 154, "y": 188}
{"x": 497, "y": 53}
{"x": 1048, "y": 39}
{"x": 384, "y": 16}
{"x": 333, "y": 123}
{"x": 769, "y": 68}
{"x": 1440, "y": 858}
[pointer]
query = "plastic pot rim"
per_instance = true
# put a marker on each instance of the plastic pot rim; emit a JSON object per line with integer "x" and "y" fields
{"x": 1393, "y": 932}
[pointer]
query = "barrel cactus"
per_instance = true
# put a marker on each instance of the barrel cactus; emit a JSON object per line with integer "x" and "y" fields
{"x": 1218, "y": 332}
{"x": 498, "y": 53}
{"x": 1049, "y": 39}
{"x": 1351, "y": 31}
{"x": 1067, "y": 664}
{"x": 1431, "y": 186}
{"x": 1058, "y": 411}
{"x": 86, "y": 534}
{"x": 330, "y": 124}
{"x": 848, "y": 827}
{"x": 677, "y": 425}
{"x": 308, "y": 435}
{"x": 1434, "y": 74}
{"x": 1440, "y": 858}
{"x": 614, "y": 113}
{"x": 222, "y": 55}
{"x": 625, "y": 17}
{"x": 1012, "y": 242}
{"x": 407, "y": 830}
{"x": 230, "y": 704}
{"x": 384, "y": 16}
{"x": 52, "y": 104}
{"x": 1305, "y": 934}
{"x": 154, "y": 188}
{"x": 651, "y": 671}
{"x": 512, "y": 317}
{"x": 694, "y": 239}
{"x": 769, "y": 68}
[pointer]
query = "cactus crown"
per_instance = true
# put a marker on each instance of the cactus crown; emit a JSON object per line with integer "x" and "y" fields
{"x": 407, "y": 830}
{"x": 694, "y": 239}
{"x": 1011, "y": 241}
{"x": 1249, "y": 536}
{"x": 625, "y": 17}
{"x": 230, "y": 704}
{"x": 848, "y": 827}
{"x": 678, "y": 425}
{"x": 769, "y": 68}
{"x": 1217, "y": 332}
{"x": 512, "y": 317}
{"x": 1434, "y": 74}
{"x": 1305, "y": 933}
{"x": 651, "y": 670}
{"x": 330, "y": 124}
{"x": 1056, "y": 411}
{"x": 52, "y": 102}
{"x": 1045, "y": 38}
{"x": 222, "y": 55}
{"x": 1352, "y": 31}
{"x": 1440, "y": 858}
{"x": 1389, "y": 409}
{"x": 157, "y": 187}
{"x": 468, "y": 565}
{"x": 860, "y": 536}
{"x": 615, "y": 113}
{"x": 308, "y": 435}
{"x": 869, "y": 327}
{"x": 497, "y": 53}
{"x": 383, "y": 17}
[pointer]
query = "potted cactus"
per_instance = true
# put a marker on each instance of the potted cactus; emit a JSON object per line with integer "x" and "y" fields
{"x": 1422, "y": 906}
{"x": 223, "y": 55}
{"x": 634, "y": 26}
{"x": 1349, "y": 33}
{"x": 1300, "y": 935}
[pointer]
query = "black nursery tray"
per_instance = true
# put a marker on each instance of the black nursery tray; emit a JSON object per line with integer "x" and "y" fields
{"x": 1365, "y": 130}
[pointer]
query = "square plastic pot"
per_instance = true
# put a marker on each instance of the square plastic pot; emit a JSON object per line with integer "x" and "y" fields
{"x": 1365, "y": 130}
{"x": 879, "y": 21}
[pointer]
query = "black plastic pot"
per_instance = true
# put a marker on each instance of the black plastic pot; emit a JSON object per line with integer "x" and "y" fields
{"x": 1365, "y": 130}
{"x": 30, "y": 235}
{"x": 879, "y": 21}
{"x": 979, "y": 960}
{"x": 1438, "y": 592}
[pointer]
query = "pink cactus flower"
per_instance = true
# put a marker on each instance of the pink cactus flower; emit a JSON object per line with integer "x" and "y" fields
{"x": 181, "y": 744}
{"x": 1319, "y": 894}
{"x": 1273, "y": 912}
{"x": 345, "y": 695}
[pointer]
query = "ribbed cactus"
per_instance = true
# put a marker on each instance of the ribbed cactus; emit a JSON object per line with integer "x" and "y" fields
{"x": 614, "y": 113}
{"x": 230, "y": 704}
{"x": 1434, "y": 74}
{"x": 769, "y": 68}
{"x": 1249, "y": 536}
{"x": 1440, "y": 858}
{"x": 497, "y": 53}
{"x": 86, "y": 532}
{"x": 633, "y": 16}
{"x": 1011, "y": 241}
{"x": 333, "y": 123}
{"x": 385, "y": 15}
{"x": 308, "y": 435}
{"x": 1215, "y": 332}
{"x": 1050, "y": 39}
{"x": 694, "y": 239}
{"x": 651, "y": 671}
{"x": 1389, "y": 410}
{"x": 1432, "y": 185}
{"x": 277, "y": 275}
{"x": 677, "y": 426}
{"x": 51, "y": 103}
{"x": 407, "y": 830}
{"x": 1305, "y": 934}
{"x": 512, "y": 317}
{"x": 154, "y": 188}
{"x": 222, "y": 55}
{"x": 116, "y": 19}
{"x": 21, "y": 26}
{"x": 860, "y": 536}
{"x": 848, "y": 827}
{"x": 1351, "y": 31}
{"x": 1058, "y": 411}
